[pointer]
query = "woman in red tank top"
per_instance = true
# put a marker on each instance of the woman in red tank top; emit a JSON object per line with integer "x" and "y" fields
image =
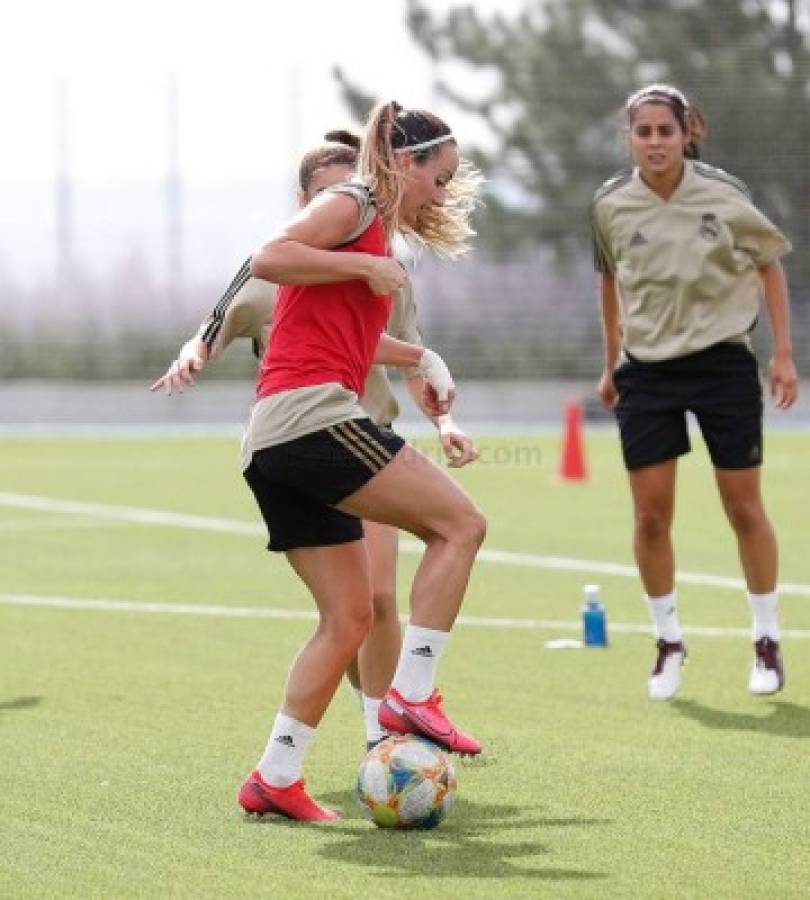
{"x": 317, "y": 467}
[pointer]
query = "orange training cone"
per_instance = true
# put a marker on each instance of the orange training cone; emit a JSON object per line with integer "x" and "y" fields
{"x": 572, "y": 462}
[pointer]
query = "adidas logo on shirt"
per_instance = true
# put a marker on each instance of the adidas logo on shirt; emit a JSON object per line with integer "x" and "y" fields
{"x": 425, "y": 651}
{"x": 286, "y": 740}
{"x": 638, "y": 240}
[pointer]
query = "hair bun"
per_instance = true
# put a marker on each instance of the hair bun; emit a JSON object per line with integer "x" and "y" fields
{"x": 345, "y": 137}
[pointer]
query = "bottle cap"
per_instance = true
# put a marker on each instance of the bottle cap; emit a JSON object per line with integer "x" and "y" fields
{"x": 591, "y": 590}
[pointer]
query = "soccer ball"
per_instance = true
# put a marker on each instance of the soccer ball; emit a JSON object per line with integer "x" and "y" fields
{"x": 406, "y": 782}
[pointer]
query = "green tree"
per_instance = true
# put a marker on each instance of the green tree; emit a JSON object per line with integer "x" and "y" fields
{"x": 559, "y": 70}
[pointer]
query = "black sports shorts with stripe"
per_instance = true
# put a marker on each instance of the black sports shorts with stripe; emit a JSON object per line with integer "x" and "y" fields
{"x": 719, "y": 385}
{"x": 296, "y": 484}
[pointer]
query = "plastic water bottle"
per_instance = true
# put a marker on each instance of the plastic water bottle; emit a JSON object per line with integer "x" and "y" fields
{"x": 594, "y": 622}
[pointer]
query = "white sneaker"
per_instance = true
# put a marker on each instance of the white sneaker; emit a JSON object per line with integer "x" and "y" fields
{"x": 767, "y": 671}
{"x": 665, "y": 678}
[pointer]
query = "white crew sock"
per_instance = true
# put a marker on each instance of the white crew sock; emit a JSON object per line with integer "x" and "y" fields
{"x": 371, "y": 712}
{"x": 664, "y": 615}
{"x": 765, "y": 608}
{"x": 281, "y": 761}
{"x": 422, "y": 649}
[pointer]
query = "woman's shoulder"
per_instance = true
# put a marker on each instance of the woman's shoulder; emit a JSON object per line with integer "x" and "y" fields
{"x": 356, "y": 188}
{"x": 610, "y": 185}
{"x": 362, "y": 194}
{"x": 716, "y": 177}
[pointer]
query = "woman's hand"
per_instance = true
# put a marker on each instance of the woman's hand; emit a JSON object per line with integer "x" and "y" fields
{"x": 606, "y": 389}
{"x": 457, "y": 446}
{"x": 385, "y": 275}
{"x": 784, "y": 381}
{"x": 440, "y": 390}
{"x": 190, "y": 361}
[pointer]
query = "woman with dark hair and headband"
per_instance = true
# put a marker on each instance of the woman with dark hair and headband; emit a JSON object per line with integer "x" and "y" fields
{"x": 245, "y": 311}
{"x": 318, "y": 465}
{"x": 683, "y": 256}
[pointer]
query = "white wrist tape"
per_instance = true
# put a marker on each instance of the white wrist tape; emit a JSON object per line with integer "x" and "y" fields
{"x": 446, "y": 425}
{"x": 433, "y": 369}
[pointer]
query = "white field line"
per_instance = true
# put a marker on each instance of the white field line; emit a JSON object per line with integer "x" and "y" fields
{"x": 261, "y": 612}
{"x": 38, "y": 524}
{"x": 141, "y": 516}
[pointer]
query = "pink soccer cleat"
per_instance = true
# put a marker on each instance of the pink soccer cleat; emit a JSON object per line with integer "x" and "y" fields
{"x": 258, "y": 797}
{"x": 426, "y": 718}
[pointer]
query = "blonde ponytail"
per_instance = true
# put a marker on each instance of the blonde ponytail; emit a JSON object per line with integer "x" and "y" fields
{"x": 391, "y": 130}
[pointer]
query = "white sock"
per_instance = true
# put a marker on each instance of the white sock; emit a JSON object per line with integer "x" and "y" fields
{"x": 281, "y": 761}
{"x": 371, "y": 712}
{"x": 422, "y": 649}
{"x": 765, "y": 608}
{"x": 664, "y": 615}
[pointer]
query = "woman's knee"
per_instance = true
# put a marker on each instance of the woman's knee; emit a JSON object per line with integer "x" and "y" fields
{"x": 468, "y": 528}
{"x": 384, "y": 604}
{"x": 652, "y": 524}
{"x": 348, "y": 626}
{"x": 477, "y": 528}
{"x": 746, "y": 516}
{"x": 464, "y": 526}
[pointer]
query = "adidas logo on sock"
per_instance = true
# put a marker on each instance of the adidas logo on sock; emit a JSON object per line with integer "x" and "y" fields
{"x": 425, "y": 651}
{"x": 285, "y": 739}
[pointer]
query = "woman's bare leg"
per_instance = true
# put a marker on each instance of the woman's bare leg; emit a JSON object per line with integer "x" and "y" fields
{"x": 414, "y": 494}
{"x": 741, "y": 494}
{"x": 339, "y": 580}
{"x": 377, "y": 657}
{"x": 742, "y": 501}
{"x": 653, "y": 489}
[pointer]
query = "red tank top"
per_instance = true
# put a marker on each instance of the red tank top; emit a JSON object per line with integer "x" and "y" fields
{"x": 326, "y": 332}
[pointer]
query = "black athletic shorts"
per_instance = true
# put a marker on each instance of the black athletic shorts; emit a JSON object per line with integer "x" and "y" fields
{"x": 296, "y": 484}
{"x": 719, "y": 385}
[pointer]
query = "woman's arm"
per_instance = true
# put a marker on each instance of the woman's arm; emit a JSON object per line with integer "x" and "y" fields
{"x": 611, "y": 337}
{"x": 396, "y": 353}
{"x": 439, "y": 387}
{"x": 242, "y": 311}
{"x": 457, "y": 446}
{"x": 782, "y": 374}
{"x": 303, "y": 252}
{"x": 246, "y": 316}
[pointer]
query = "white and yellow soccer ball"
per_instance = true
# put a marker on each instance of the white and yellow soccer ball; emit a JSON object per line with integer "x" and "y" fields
{"x": 406, "y": 782}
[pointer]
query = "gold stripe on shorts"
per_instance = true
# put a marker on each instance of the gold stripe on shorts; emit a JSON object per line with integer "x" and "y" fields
{"x": 360, "y": 439}
{"x": 367, "y": 461}
{"x": 384, "y": 452}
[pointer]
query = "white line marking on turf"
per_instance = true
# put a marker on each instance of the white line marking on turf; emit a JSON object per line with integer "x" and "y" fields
{"x": 133, "y": 514}
{"x": 37, "y": 524}
{"x": 141, "y": 516}
{"x": 262, "y": 612}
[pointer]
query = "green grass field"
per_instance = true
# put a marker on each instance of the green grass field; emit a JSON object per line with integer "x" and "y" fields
{"x": 124, "y": 736}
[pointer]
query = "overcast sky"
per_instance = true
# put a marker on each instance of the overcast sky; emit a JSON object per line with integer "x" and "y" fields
{"x": 255, "y": 88}
{"x": 253, "y": 78}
